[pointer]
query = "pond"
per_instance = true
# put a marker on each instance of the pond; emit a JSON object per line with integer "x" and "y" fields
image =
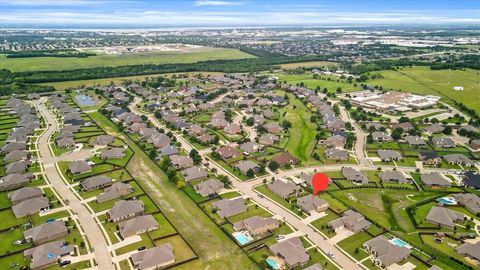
{"x": 85, "y": 100}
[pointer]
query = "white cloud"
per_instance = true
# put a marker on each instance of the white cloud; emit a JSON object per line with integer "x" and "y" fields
{"x": 216, "y": 3}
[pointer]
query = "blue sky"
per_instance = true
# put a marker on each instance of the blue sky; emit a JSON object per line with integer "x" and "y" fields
{"x": 239, "y": 12}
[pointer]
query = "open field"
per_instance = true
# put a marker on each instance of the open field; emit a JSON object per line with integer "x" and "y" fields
{"x": 312, "y": 83}
{"x": 308, "y": 64}
{"x": 422, "y": 80}
{"x": 55, "y": 63}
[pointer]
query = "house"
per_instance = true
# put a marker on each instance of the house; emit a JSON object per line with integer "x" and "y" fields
{"x": 181, "y": 162}
{"x": 194, "y": 173}
{"x": 335, "y": 125}
{"x": 244, "y": 166}
{"x": 268, "y": 139}
{"x": 15, "y": 180}
{"x": 443, "y": 142}
{"x": 256, "y": 225}
{"x": 285, "y": 158}
{"x": 475, "y": 144}
{"x": 471, "y": 180}
{"x": 103, "y": 140}
{"x": 116, "y": 152}
{"x": 435, "y": 179}
{"x": 283, "y": 188}
{"x": 385, "y": 253}
{"x": 169, "y": 150}
{"x": 23, "y": 194}
{"x": 434, "y": 128}
{"x": 251, "y": 147}
{"x": 273, "y": 127}
{"x": 381, "y": 136}
{"x": 125, "y": 209}
{"x": 159, "y": 140}
{"x": 316, "y": 266}
{"x": 46, "y": 232}
{"x": 350, "y": 220}
{"x": 209, "y": 187}
{"x": 229, "y": 207}
{"x": 429, "y": 157}
{"x": 445, "y": 217}
{"x": 470, "y": 201}
{"x": 79, "y": 167}
{"x": 406, "y": 126}
{"x": 65, "y": 142}
{"x": 232, "y": 129}
{"x": 258, "y": 119}
{"x": 47, "y": 254}
{"x": 335, "y": 141}
{"x": 137, "y": 225}
{"x": 154, "y": 258}
{"x": 95, "y": 182}
{"x": 17, "y": 167}
{"x": 206, "y": 138}
{"x": 9, "y": 147}
{"x": 118, "y": 189}
{"x": 355, "y": 176}
{"x": 469, "y": 128}
{"x": 291, "y": 251}
{"x": 470, "y": 250}
{"x": 228, "y": 152}
{"x": 310, "y": 203}
{"x": 16, "y": 155}
{"x": 30, "y": 207}
{"x": 336, "y": 154}
{"x": 393, "y": 176}
{"x": 415, "y": 141}
{"x": 459, "y": 159}
{"x": 218, "y": 123}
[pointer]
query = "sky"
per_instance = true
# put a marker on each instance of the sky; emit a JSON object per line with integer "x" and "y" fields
{"x": 239, "y": 12}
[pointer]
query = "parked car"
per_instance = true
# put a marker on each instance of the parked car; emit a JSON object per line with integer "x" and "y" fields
{"x": 63, "y": 263}
{"x": 141, "y": 248}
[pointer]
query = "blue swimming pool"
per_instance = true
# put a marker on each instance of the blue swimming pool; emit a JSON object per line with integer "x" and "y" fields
{"x": 447, "y": 201}
{"x": 84, "y": 100}
{"x": 242, "y": 238}
{"x": 272, "y": 263}
{"x": 400, "y": 243}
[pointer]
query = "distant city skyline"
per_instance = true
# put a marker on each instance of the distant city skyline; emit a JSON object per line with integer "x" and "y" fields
{"x": 238, "y": 12}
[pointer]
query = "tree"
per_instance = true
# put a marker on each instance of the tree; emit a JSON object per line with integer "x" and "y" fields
{"x": 447, "y": 130}
{"x": 396, "y": 134}
{"x": 250, "y": 173}
{"x": 195, "y": 156}
{"x": 250, "y": 121}
{"x": 403, "y": 119}
{"x": 273, "y": 165}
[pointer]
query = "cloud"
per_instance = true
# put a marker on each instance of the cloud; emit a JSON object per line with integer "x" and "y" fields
{"x": 63, "y": 2}
{"x": 216, "y": 3}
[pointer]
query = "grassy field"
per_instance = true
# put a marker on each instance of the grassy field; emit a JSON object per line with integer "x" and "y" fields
{"x": 424, "y": 81}
{"x": 55, "y": 63}
{"x": 308, "y": 64}
{"x": 312, "y": 83}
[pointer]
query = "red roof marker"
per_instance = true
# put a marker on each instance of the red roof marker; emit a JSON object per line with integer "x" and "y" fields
{"x": 319, "y": 183}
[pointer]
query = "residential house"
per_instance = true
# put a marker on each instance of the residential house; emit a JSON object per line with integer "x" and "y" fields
{"x": 15, "y": 180}
{"x": 434, "y": 128}
{"x": 194, "y": 173}
{"x": 30, "y": 206}
{"x": 354, "y": 175}
{"x": 256, "y": 225}
{"x": 443, "y": 142}
{"x": 273, "y": 127}
{"x": 475, "y": 144}
{"x": 291, "y": 251}
{"x": 17, "y": 167}
{"x": 209, "y": 187}
{"x": 445, "y": 217}
{"x": 470, "y": 201}
{"x": 46, "y": 232}
{"x": 218, "y": 123}
{"x": 137, "y": 225}
{"x": 79, "y": 167}
{"x": 16, "y": 155}
{"x": 23, "y": 194}
{"x": 159, "y": 140}
{"x": 125, "y": 209}
{"x": 118, "y": 189}
{"x": 336, "y": 154}
{"x": 103, "y": 140}
{"x": 229, "y": 207}
{"x": 244, "y": 166}
{"x": 115, "y": 152}
{"x": 381, "y": 136}
{"x": 470, "y": 250}
{"x": 232, "y": 129}
{"x": 169, "y": 150}
{"x": 284, "y": 188}
{"x": 251, "y": 147}
{"x": 429, "y": 157}
{"x": 393, "y": 176}
{"x": 350, "y": 220}
{"x": 311, "y": 203}
{"x": 384, "y": 252}
{"x": 154, "y": 258}
{"x": 181, "y": 162}
{"x": 435, "y": 179}
{"x": 469, "y": 128}
{"x": 415, "y": 141}
{"x": 284, "y": 159}
{"x": 471, "y": 180}
{"x": 96, "y": 182}
{"x": 335, "y": 141}
{"x": 268, "y": 139}
{"x": 458, "y": 159}
{"x": 227, "y": 152}
{"x": 65, "y": 142}
{"x": 47, "y": 254}
{"x": 389, "y": 155}
{"x": 406, "y": 126}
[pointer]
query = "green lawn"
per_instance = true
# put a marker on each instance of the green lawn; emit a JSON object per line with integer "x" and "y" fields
{"x": 312, "y": 83}
{"x": 353, "y": 245}
{"x": 321, "y": 223}
{"x": 8, "y": 237}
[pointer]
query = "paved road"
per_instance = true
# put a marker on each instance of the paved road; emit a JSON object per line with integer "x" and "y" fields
{"x": 246, "y": 188}
{"x": 87, "y": 221}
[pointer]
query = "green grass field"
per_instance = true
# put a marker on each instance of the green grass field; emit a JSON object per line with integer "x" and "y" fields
{"x": 422, "y": 80}
{"x": 55, "y": 63}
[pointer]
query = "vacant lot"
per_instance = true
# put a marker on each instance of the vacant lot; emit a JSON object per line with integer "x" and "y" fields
{"x": 56, "y": 63}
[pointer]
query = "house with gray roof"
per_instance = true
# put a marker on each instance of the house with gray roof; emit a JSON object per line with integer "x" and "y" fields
{"x": 23, "y": 194}
{"x": 159, "y": 140}
{"x": 154, "y": 258}
{"x": 246, "y": 165}
{"x": 354, "y": 175}
{"x": 251, "y": 147}
{"x": 46, "y": 232}
{"x": 470, "y": 250}
{"x": 229, "y": 207}
{"x": 65, "y": 142}
{"x": 283, "y": 188}
{"x": 47, "y": 254}
{"x": 268, "y": 139}
{"x": 125, "y": 209}
{"x": 137, "y": 225}
{"x": 311, "y": 203}
{"x": 169, "y": 150}
{"x": 17, "y": 167}
{"x": 96, "y": 182}
{"x": 393, "y": 176}
{"x": 336, "y": 154}
{"x": 429, "y": 157}
{"x": 16, "y": 155}
{"x": 9, "y": 147}
{"x": 118, "y": 189}
{"x": 335, "y": 141}
{"x": 443, "y": 142}
{"x": 115, "y": 152}
{"x": 434, "y": 128}
{"x": 194, "y": 173}
{"x": 291, "y": 251}
{"x": 458, "y": 159}
{"x": 379, "y": 136}
{"x": 445, "y": 217}
{"x": 435, "y": 179}
{"x": 475, "y": 144}
{"x": 181, "y": 162}
{"x": 209, "y": 187}
{"x": 350, "y": 220}
{"x": 415, "y": 141}
{"x": 256, "y": 225}
{"x": 30, "y": 206}
{"x": 470, "y": 201}
{"x": 232, "y": 129}
{"x": 384, "y": 252}
{"x": 469, "y": 128}
{"x": 15, "y": 180}
{"x": 79, "y": 167}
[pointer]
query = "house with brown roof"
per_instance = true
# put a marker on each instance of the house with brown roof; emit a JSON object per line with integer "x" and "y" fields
{"x": 118, "y": 189}
{"x": 256, "y": 225}
{"x": 209, "y": 187}
{"x": 229, "y": 207}
{"x": 384, "y": 252}
{"x": 470, "y": 201}
{"x": 354, "y": 175}
{"x": 311, "y": 203}
{"x": 125, "y": 209}
{"x": 335, "y": 141}
{"x": 96, "y": 182}
{"x": 251, "y": 147}
{"x": 154, "y": 258}
{"x": 389, "y": 155}
{"x": 194, "y": 173}
{"x": 15, "y": 180}
{"x": 268, "y": 139}
{"x": 47, "y": 254}
{"x": 445, "y": 217}
{"x": 381, "y": 136}
{"x": 79, "y": 167}
{"x": 227, "y": 152}
{"x": 137, "y": 225}
{"x": 25, "y": 193}
{"x": 232, "y": 129}
{"x": 181, "y": 162}
{"x": 291, "y": 251}
{"x": 31, "y": 206}
{"x": 46, "y": 232}
{"x": 350, "y": 220}
{"x": 115, "y": 152}
{"x": 284, "y": 188}
{"x": 273, "y": 127}
{"x": 285, "y": 158}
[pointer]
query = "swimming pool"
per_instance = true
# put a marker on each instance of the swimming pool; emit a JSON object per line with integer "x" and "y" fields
{"x": 272, "y": 263}
{"x": 400, "y": 243}
{"x": 447, "y": 201}
{"x": 242, "y": 238}
{"x": 84, "y": 100}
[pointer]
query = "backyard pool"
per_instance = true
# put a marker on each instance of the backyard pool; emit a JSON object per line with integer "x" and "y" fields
{"x": 447, "y": 201}
{"x": 85, "y": 100}
{"x": 272, "y": 262}
{"x": 242, "y": 238}
{"x": 400, "y": 243}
